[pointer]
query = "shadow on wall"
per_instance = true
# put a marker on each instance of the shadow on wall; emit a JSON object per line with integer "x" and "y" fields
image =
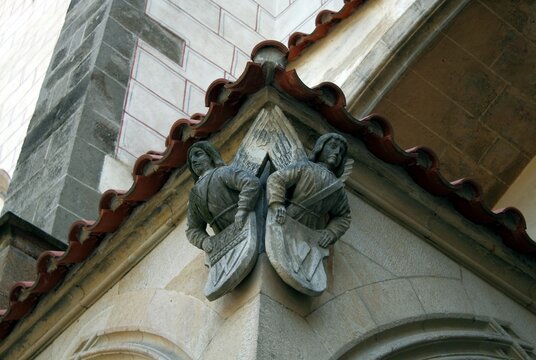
{"x": 523, "y": 193}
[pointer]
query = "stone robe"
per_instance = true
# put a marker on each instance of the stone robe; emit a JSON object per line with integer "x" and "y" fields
{"x": 215, "y": 199}
{"x": 305, "y": 180}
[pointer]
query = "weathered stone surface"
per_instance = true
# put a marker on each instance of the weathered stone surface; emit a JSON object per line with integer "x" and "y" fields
{"x": 505, "y": 160}
{"x": 86, "y": 163}
{"x": 270, "y": 135}
{"x": 280, "y": 330}
{"x": 120, "y": 39}
{"x": 390, "y": 301}
{"x": 341, "y": 320}
{"x": 225, "y": 198}
{"x": 20, "y": 245}
{"x": 442, "y": 296}
{"x": 106, "y": 95}
{"x": 400, "y": 253}
{"x": 15, "y": 266}
{"x": 233, "y": 257}
{"x": 353, "y": 269}
{"x": 487, "y": 45}
{"x": 317, "y": 194}
{"x": 488, "y": 301}
{"x": 512, "y": 106}
{"x": 134, "y": 19}
{"x": 460, "y": 77}
{"x": 244, "y": 327}
{"x": 46, "y": 205}
{"x": 44, "y": 126}
{"x": 114, "y": 64}
{"x": 170, "y": 311}
{"x": 98, "y": 131}
{"x": 76, "y": 195}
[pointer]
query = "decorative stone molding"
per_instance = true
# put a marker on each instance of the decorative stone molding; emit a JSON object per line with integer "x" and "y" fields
{"x": 451, "y": 337}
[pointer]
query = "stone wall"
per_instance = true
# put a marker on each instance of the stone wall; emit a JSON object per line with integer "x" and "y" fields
{"x": 77, "y": 118}
{"x": 122, "y": 72}
{"x": 28, "y": 32}
{"x": 219, "y": 37}
{"x": 381, "y": 276}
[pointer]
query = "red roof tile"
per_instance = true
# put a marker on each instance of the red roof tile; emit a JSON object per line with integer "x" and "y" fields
{"x": 325, "y": 21}
{"x": 224, "y": 99}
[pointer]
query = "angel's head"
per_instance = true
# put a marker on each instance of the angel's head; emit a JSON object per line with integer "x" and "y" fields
{"x": 330, "y": 150}
{"x": 203, "y": 156}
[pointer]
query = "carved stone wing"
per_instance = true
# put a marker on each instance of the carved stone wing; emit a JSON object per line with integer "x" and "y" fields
{"x": 270, "y": 135}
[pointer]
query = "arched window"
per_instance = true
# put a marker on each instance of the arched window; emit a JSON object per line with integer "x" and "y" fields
{"x": 443, "y": 338}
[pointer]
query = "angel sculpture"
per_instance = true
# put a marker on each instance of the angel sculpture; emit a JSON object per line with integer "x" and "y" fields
{"x": 309, "y": 211}
{"x": 223, "y": 197}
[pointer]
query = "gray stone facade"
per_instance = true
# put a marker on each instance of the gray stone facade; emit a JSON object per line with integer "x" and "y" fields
{"x": 78, "y": 114}
{"x": 20, "y": 246}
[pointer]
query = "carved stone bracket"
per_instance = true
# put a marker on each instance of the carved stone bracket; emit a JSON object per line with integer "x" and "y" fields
{"x": 305, "y": 202}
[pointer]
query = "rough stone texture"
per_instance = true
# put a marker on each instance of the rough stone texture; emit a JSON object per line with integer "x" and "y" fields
{"x": 470, "y": 94}
{"x": 76, "y": 123}
{"x": 263, "y": 318}
{"x": 20, "y": 245}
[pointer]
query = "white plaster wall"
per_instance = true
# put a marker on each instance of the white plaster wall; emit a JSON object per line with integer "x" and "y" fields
{"x": 358, "y": 47}
{"x": 29, "y": 30}
{"x": 382, "y": 274}
{"x": 219, "y": 37}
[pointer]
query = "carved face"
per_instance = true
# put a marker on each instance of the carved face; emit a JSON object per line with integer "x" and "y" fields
{"x": 332, "y": 153}
{"x": 200, "y": 161}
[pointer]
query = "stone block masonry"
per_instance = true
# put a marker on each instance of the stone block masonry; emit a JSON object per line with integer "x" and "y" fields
{"x": 77, "y": 118}
{"x": 219, "y": 36}
{"x": 121, "y": 73}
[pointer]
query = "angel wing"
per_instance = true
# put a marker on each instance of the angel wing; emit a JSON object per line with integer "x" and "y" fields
{"x": 348, "y": 165}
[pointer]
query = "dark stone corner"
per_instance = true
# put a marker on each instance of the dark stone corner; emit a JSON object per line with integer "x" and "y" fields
{"x": 21, "y": 243}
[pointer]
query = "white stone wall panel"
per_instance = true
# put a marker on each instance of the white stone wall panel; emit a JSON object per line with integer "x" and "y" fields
{"x": 236, "y": 33}
{"x": 148, "y": 108}
{"x": 274, "y": 7}
{"x": 239, "y": 63}
{"x": 205, "y": 11}
{"x": 195, "y": 99}
{"x": 158, "y": 77}
{"x": 200, "y": 70}
{"x": 137, "y": 137}
{"x": 196, "y": 35}
{"x": 244, "y": 10}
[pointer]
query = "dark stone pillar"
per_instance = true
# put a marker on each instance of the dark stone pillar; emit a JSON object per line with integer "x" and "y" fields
{"x": 20, "y": 246}
{"x": 77, "y": 118}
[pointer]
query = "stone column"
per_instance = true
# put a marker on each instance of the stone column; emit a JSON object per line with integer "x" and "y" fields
{"x": 77, "y": 118}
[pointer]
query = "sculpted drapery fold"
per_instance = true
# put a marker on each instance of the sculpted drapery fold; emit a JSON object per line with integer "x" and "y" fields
{"x": 307, "y": 179}
{"x": 215, "y": 199}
